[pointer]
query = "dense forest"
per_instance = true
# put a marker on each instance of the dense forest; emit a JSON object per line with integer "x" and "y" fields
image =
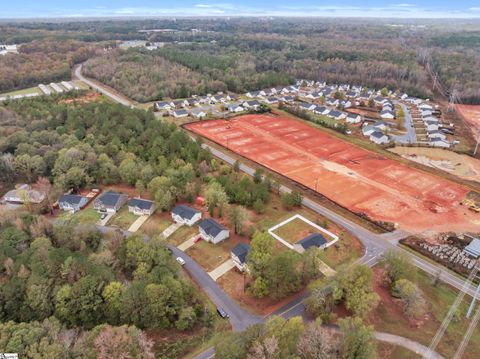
{"x": 244, "y": 54}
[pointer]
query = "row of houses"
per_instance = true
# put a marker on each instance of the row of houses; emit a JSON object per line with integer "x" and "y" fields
{"x": 436, "y": 135}
{"x": 333, "y": 114}
{"x": 376, "y": 132}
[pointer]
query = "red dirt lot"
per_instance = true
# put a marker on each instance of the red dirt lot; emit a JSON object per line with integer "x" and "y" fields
{"x": 471, "y": 116}
{"x": 355, "y": 178}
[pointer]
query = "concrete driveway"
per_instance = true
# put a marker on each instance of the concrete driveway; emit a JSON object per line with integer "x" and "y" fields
{"x": 188, "y": 243}
{"x": 171, "y": 229}
{"x": 138, "y": 223}
{"x": 221, "y": 269}
{"x": 103, "y": 222}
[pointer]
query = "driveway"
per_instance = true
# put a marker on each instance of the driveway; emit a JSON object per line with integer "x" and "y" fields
{"x": 188, "y": 243}
{"x": 240, "y": 318}
{"x": 103, "y": 222}
{"x": 138, "y": 223}
{"x": 221, "y": 269}
{"x": 171, "y": 230}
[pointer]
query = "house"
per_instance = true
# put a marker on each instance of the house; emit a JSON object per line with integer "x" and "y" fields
{"x": 379, "y": 138}
{"x": 425, "y": 106}
{"x": 438, "y": 142}
{"x": 254, "y": 94}
{"x": 252, "y": 105}
{"x": 23, "y": 193}
{"x": 337, "y": 115}
{"x": 382, "y": 126}
{"x": 72, "y": 202}
{"x": 426, "y": 113}
{"x": 271, "y": 100}
{"x": 178, "y": 104}
{"x": 180, "y": 113}
{"x": 387, "y": 114}
{"x": 353, "y": 118}
{"x": 234, "y": 107}
{"x": 163, "y": 105}
{"x": 212, "y": 231}
{"x": 333, "y": 102}
{"x": 141, "y": 207}
{"x": 110, "y": 202}
{"x": 403, "y": 96}
{"x": 190, "y": 102}
{"x": 288, "y": 99}
{"x": 345, "y": 104}
{"x": 379, "y": 100}
{"x": 431, "y": 125}
{"x": 217, "y": 98}
{"x": 314, "y": 240}
{"x": 239, "y": 256}
{"x": 186, "y": 215}
{"x": 321, "y": 110}
{"x": 307, "y": 106}
{"x": 436, "y": 134}
{"x": 198, "y": 113}
{"x": 368, "y": 130}
{"x": 313, "y": 96}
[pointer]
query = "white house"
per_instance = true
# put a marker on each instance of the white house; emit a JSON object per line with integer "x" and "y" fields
{"x": 436, "y": 134}
{"x": 252, "y": 105}
{"x": 307, "y": 106}
{"x": 239, "y": 256}
{"x": 235, "y": 108}
{"x": 72, "y": 202}
{"x": 313, "y": 96}
{"x": 379, "y": 138}
{"x": 186, "y": 215}
{"x": 163, "y": 105}
{"x": 337, "y": 115}
{"x": 110, "y": 202}
{"x": 368, "y": 130}
{"x": 387, "y": 114}
{"x": 431, "y": 125}
{"x": 314, "y": 240}
{"x": 212, "y": 231}
{"x": 353, "y": 118}
{"x": 198, "y": 113}
{"x": 321, "y": 110}
{"x": 141, "y": 207}
{"x": 254, "y": 94}
{"x": 437, "y": 142}
{"x": 180, "y": 113}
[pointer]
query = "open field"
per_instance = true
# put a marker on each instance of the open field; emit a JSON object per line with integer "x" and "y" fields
{"x": 389, "y": 317}
{"x": 360, "y": 180}
{"x": 462, "y": 166}
{"x": 471, "y": 117}
{"x": 22, "y": 92}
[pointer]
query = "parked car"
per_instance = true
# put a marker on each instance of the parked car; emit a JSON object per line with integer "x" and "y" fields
{"x": 103, "y": 216}
{"x": 198, "y": 239}
{"x": 222, "y": 313}
{"x": 181, "y": 261}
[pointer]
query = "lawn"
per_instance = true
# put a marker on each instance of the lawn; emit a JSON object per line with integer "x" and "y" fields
{"x": 22, "y": 92}
{"x": 389, "y": 351}
{"x": 209, "y": 255}
{"x": 388, "y": 317}
{"x": 123, "y": 218}
{"x": 87, "y": 216}
{"x": 296, "y": 230}
{"x": 182, "y": 234}
{"x": 156, "y": 224}
{"x": 346, "y": 250}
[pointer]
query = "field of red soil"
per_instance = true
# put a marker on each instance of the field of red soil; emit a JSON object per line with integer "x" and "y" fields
{"x": 355, "y": 178}
{"x": 471, "y": 116}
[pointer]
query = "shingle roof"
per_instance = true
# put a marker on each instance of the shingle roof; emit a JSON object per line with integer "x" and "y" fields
{"x": 140, "y": 203}
{"x": 71, "y": 198}
{"x": 109, "y": 199}
{"x": 241, "y": 251}
{"x": 184, "y": 211}
{"x": 313, "y": 240}
{"x": 211, "y": 227}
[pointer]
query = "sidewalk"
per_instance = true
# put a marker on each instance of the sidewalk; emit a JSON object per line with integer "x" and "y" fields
{"x": 138, "y": 223}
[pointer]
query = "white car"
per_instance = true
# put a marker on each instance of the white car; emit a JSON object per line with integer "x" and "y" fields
{"x": 181, "y": 261}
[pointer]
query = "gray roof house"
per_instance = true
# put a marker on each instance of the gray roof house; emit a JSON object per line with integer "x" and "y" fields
{"x": 354, "y": 118}
{"x": 180, "y": 113}
{"x": 110, "y": 202}
{"x": 239, "y": 256}
{"x": 212, "y": 231}
{"x": 254, "y": 105}
{"x": 141, "y": 207}
{"x": 313, "y": 240}
{"x": 72, "y": 202}
{"x": 186, "y": 215}
{"x": 379, "y": 138}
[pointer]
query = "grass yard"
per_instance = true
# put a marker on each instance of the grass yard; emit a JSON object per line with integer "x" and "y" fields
{"x": 389, "y": 351}
{"x": 156, "y": 224}
{"x": 123, "y": 218}
{"x": 296, "y": 230}
{"x": 346, "y": 250}
{"x": 182, "y": 234}
{"x": 22, "y": 92}
{"x": 389, "y": 317}
{"x": 87, "y": 216}
{"x": 209, "y": 255}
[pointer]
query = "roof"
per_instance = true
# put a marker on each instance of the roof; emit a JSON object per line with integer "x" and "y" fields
{"x": 110, "y": 199}
{"x": 211, "y": 227}
{"x": 335, "y": 113}
{"x": 473, "y": 248}
{"x": 253, "y": 103}
{"x": 180, "y": 112}
{"x": 184, "y": 211}
{"x": 240, "y": 251}
{"x": 71, "y": 198}
{"x": 313, "y": 240}
{"x": 353, "y": 115}
{"x": 377, "y": 134}
{"x": 140, "y": 203}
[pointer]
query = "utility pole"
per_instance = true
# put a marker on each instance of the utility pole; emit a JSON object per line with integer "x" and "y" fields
{"x": 478, "y": 141}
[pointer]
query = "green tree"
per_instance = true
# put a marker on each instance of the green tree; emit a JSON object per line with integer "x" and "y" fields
{"x": 282, "y": 274}
{"x": 398, "y": 265}
{"x": 129, "y": 170}
{"x": 215, "y": 196}
{"x": 414, "y": 303}
{"x": 358, "y": 339}
{"x": 238, "y": 216}
{"x": 260, "y": 254}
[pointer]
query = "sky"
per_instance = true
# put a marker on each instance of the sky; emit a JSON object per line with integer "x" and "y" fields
{"x": 331, "y": 8}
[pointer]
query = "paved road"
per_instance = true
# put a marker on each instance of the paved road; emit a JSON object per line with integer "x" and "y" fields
{"x": 106, "y": 92}
{"x": 410, "y": 136}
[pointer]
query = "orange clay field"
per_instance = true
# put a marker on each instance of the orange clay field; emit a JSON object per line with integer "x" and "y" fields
{"x": 355, "y": 178}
